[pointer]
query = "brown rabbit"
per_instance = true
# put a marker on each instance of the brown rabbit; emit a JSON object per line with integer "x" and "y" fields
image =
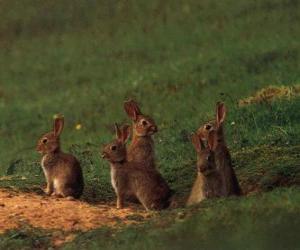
{"x": 208, "y": 182}
{"x": 62, "y": 171}
{"x": 223, "y": 159}
{"x": 132, "y": 178}
{"x": 141, "y": 148}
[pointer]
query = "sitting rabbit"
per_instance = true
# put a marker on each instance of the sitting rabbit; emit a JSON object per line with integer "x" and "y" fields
{"x": 147, "y": 185}
{"x": 141, "y": 148}
{"x": 62, "y": 171}
{"x": 208, "y": 181}
{"x": 222, "y": 155}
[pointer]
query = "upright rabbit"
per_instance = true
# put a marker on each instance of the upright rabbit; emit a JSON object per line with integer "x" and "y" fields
{"x": 133, "y": 178}
{"x": 208, "y": 182}
{"x": 222, "y": 155}
{"x": 62, "y": 171}
{"x": 141, "y": 148}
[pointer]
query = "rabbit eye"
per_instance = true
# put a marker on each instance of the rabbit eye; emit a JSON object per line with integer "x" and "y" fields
{"x": 113, "y": 148}
{"x": 208, "y": 127}
{"x": 144, "y": 122}
{"x": 44, "y": 141}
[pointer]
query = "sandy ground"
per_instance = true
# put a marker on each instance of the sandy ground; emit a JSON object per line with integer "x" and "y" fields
{"x": 17, "y": 209}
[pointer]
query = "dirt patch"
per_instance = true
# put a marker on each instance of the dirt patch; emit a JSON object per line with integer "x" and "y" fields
{"x": 271, "y": 93}
{"x": 17, "y": 209}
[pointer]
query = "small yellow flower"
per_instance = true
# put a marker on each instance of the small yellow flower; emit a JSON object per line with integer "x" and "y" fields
{"x": 78, "y": 126}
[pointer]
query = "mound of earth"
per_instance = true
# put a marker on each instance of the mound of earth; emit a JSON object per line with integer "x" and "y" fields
{"x": 18, "y": 209}
{"x": 271, "y": 93}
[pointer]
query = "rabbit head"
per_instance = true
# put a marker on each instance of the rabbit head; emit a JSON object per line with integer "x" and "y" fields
{"x": 49, "y": 143}
{"x": 116, "y": 150}
{"x": 143, "y": 125}
{"x": 214, "y": 125}
{"x": 206, "y": 156}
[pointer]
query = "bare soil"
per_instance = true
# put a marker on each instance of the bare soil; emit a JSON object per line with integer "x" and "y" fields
{"x": 18, "y": 209}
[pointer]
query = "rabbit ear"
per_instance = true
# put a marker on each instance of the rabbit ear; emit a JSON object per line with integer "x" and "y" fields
{"x": 125, "y": 133}
{"x": 220, "y": 113}
{"x": 132, "y": 109}
{"x": 212, "y": 140}
{"x": 118, "y": 132}
{"x": 58, "y": 126}
{"x": 197, "y": 142}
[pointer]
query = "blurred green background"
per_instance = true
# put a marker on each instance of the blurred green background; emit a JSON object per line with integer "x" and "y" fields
{"x": 82, "y": 59}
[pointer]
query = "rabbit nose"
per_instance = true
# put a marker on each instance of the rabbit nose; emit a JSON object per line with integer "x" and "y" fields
{"x": 154, "y": 129}
{"x": 103, "y": 155}
{"x": 38, "y": 148}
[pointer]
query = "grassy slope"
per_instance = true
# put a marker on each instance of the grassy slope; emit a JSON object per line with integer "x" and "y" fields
{"x": 267, "y": 221}
{"x": 176, "y": 58}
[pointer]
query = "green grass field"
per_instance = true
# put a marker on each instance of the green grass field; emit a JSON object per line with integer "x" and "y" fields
{"x": 176, "y": 58}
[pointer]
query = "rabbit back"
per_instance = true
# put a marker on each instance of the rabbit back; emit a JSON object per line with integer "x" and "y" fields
{"x": 148, "y": 186}
{"x": 230, "y": 184}
{"x": 142, "y": 151}
{"x": 154, "y": 191}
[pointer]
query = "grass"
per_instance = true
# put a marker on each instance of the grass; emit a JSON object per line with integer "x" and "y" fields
{"x": 177, "y": 58}
{"x": 265, "y": 221}
{"x": 25, "y": 238}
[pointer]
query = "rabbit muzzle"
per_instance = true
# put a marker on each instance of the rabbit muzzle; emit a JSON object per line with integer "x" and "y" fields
{"x": 39, "y": 148}
{"x": 153, "y": 129}
{"x": 104, "y": 155}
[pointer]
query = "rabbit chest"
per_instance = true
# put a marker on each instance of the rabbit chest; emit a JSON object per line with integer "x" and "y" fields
{"x": 47, "y": 163}
{"x": 113, "y": 176}
{"x": 119, "y": 180}
{"x": 197, "y": 194}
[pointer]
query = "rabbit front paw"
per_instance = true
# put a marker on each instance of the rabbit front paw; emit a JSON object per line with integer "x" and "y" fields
{"x": 120, "y": 204}
{"x": 48, "y": 191}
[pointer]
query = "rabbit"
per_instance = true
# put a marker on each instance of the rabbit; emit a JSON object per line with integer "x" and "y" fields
{"x": 62, "y": 171}
{"x": 147, "y": 185}
{"x": 141, "y": 148}
{"x": 208, "y": 183}
{"x": 223, "y": 158}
